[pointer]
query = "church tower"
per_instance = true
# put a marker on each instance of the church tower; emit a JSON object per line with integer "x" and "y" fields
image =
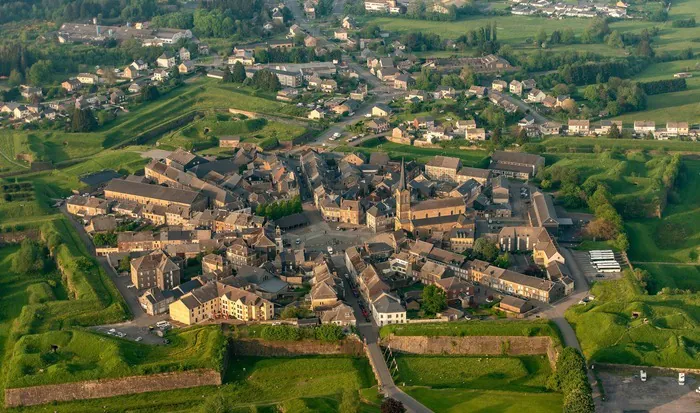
{"x": 403, "y": 203}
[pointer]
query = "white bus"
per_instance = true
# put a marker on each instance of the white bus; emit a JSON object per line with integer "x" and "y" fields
{"x": 604, "y": 263}
{"x": 599, "y": 259}
{"x": 609, "y": 268}
{"x": 599, "y": 251}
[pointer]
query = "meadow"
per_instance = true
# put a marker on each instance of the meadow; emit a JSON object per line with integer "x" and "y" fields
{"x": 254, "y": 385}
{"x": 465, "y": 400}
{"x": 519, "y": 374}
{"x": 475, "y": 328}
{"x": 626, "y": 325}
{"x": 203, "y": 95}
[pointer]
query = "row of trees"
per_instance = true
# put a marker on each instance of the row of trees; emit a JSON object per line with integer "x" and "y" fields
{"x": 325, "y": 332}
{"x": 663, "y": 86}
{"x": 58, "y": 10}
{"x": 279, "y": 209}
{"x": 294, "y": 55}
{"x": 608, "y": 224}
{"x": 570, "y": 379}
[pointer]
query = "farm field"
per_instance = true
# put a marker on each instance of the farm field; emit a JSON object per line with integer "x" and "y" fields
{"x": 255, "y": 384}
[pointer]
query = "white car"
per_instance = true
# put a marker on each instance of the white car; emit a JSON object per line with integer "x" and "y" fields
{"x": 139, "y": 338}
{"x": 681, "y": 379}
{"x": 336, "y": 135}
{"x": 643, "y": 375}
{"x": 330, "y": 250}
{"x": 368, "y": 115}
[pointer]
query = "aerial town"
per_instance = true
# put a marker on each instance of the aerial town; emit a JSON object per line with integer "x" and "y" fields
{"x": 350, "y": 205}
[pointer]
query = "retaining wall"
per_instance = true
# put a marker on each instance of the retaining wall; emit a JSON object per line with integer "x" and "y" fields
{"x": 263, "y": 348}
{"x": 96, "y": 389}
{"x": 474, "y": 345}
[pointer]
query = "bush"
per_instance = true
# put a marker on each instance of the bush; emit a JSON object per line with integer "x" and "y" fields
{"x": 269, "y": 144}
{"x": 570, "y": 378}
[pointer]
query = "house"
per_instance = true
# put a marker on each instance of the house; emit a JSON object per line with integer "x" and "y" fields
{"x": 310, "y": 41}
{"x": 381, "y": 109}
{"x": 478, "y": 91}
{"x": 160, "y": 75}
{"x": 536, "y": 95}
{"x": 579, "y": 126}
{"x": 423, "y": 122}
{"x": 677, "y": 128}
{"x": 341, "y": 314}
{"x": 348, "y": 23}
{"x": 526, "y": 121}
{"x": 549, "y": 102}
{"x": 454, "y": 287}
{"x": 166, "y": 60}
{"x": 317, "y": 114}
{"x": 155, "y": 270}
{"x": 117, "y": 97}
{"x": 29, "y": 92}
{"x": 499, "y": 85}
{"x": 329, "y": 86}
{"x": 245, "y": 56}
{"x": 87, "y": 78}
{"x": 295, "y": 29}
{"x": 287, "y": 95}
{"x": 87, "y": 206}
{"x": 340, "y": 34}
{"x": 136, "y": 87}
{"x": 184, "y": 54}
{"x": 550, "y": 128}
{"x": 403, "y": 81}
{"x": 71, "y": 85}
{"x": 514, "y": 305}
{"x": 643, "y": 127}
{"x": 529, "y": 84}
{"x": 515, "y": 87}
{"x": 186, "y": 67}
{"x": 138, "y": 65}
{"x": 387, "y": 309}
{"x": 516, "y": 164}
{"x": 606, "y": 125}
{"x": 220, "y": 299}
{"x": 277, "y": 16}
{"x": 476, "y": 134}
{"x": 443, "y": 168}
{"x": 378, "y": 125}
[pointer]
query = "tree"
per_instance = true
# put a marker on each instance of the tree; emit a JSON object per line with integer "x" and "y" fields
{"x": 31, "y": 257}
{"x": 541, "y": 37}
{"x": 238, "y": 73}
{"x": 40, "y": 72}
{"x": 502, "y": 261}
{"x": 150, "y": 93}
{"x": 15, "y": 78}
{"x": 294, "y": 312}
{"x": 615, "y": 40}
{"x": 434, "y": 300}
{"x": 485, "y": 249}
{"x": 614, "y": 132}
{"x": 391, "y": 405}
{"x": 468, "y": 76}
{"x": 83, "y": 120}
{"x": 125, "y": 264}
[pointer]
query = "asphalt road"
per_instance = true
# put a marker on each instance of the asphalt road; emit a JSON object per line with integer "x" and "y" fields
{"x": 370, "y": 332}
{"x": 526, "y": 108}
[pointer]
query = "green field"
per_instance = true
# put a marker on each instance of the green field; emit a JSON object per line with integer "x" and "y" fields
{"x": 466, "y": 400}
{"x": 199, "y": 133}
{"x": 665, "y": 333}
{"x": 519, "y": 374}
{"x": 676, "y": 236}
{"x": 203, "y": 95}
{"x": 475, "y": 328}
{"x": 254, "y": 384}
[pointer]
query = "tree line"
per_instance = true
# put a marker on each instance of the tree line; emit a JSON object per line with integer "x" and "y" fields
{"x": 663, "y": 86}
{"x": 279, "y": 209}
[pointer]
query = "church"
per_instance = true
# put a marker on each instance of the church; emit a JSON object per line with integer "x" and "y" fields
{"x": 427, "y": 216}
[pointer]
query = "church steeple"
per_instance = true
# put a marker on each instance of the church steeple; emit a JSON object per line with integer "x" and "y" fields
{"x": 403, "y": 203}
{"x": 402, "y": 179}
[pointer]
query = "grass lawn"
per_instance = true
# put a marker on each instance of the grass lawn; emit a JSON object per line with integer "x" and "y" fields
{"x": 201, "y": 95}
{"x": 475, "y": 328}
{"x": 609, "y": 333}
{"x": 676, "y": 236}
{"x": 562, "y": 144}
{"x": 684, "y": 277}
{"x": 199, "y": 133}
{"x": 486, "y": 401}
{"x": 255, "y": 384}
{"x": 521, "y": 374}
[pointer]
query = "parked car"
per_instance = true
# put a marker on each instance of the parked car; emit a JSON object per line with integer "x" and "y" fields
{"x": 139, "y": 338}
{"x": 643, "y": 375}
{"x": 681, "y": 379}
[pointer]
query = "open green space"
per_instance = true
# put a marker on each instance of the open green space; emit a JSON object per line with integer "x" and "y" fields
{"x": 255, "y": 384}
{"x": 683, "y": 277}
{"x": 204, "y": 95}
{"x": 492, "y": 401}
{"x": 521, "y": 374}
{"x": 625, "y": 325}
{"x": 203, "y": 132}
{"x": 562, "y": 144}
{"x": 676, "y": 236}
{"x": 475, "y": 328}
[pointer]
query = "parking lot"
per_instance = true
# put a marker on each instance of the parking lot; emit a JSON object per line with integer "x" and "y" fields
{"x": 590, "y": 272}
{"x": 625, "y": 392}
{"x": 131, "y": 331}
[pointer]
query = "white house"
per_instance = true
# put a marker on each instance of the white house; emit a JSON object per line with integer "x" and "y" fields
{"x": 387, "y": 309}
